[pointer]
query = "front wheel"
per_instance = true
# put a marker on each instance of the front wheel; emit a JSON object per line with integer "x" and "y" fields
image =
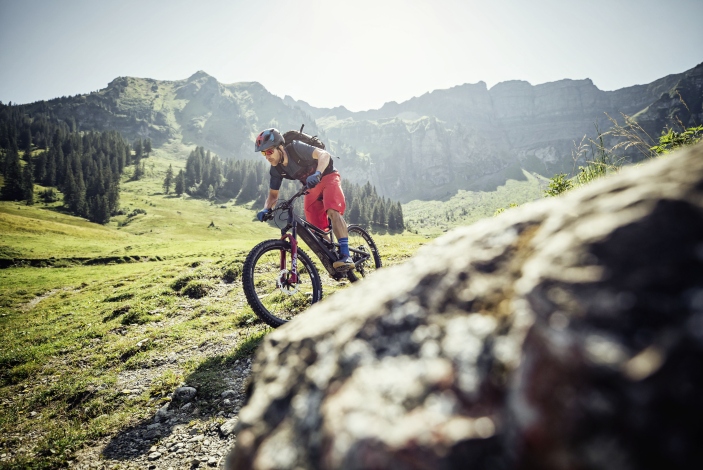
{"x": 269, "y": 286}
{"x": 364, "y": 253}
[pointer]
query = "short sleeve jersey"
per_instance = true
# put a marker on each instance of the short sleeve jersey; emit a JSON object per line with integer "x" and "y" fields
{"x": 295, "y": 171}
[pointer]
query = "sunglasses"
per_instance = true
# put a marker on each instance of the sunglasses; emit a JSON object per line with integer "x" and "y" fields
{"x": 267, "y": 152}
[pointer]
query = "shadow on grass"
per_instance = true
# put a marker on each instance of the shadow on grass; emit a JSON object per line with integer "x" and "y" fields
{"x": 61, "y": 210}
{"x": 209, "y": 378}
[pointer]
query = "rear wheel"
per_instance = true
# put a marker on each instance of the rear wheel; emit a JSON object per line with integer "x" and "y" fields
{"x": 364, "y": 253}
{"x": 268, "y": 285}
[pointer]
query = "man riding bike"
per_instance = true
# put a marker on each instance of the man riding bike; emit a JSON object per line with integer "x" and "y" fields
{"x": 314, "y": 168}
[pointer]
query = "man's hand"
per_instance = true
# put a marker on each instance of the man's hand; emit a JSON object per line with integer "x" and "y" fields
{"x": 313, "y": 179}
{"x": 262, "y": 214}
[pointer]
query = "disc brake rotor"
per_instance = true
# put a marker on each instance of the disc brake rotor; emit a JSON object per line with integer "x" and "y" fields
{"x": 283, "y": 285}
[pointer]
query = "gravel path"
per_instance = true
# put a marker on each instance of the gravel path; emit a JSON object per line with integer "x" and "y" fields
{"x": 183, "y": 437}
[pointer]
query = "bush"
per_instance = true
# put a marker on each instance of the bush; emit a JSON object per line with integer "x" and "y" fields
{"x": 232, "y": 272}
{"x": 181, "y": 281}
{"x": 119, "y": 297}
{"x": 558, "y": 184}
{"x": 136, "y": 212}
{"x": 48, "y": 195}
{"x": 135, "y": 317}
{"x": 197, "y": 289}
{"x": 672, "y": 140}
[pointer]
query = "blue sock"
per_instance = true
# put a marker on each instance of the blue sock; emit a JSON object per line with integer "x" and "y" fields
{"x": 344, "y": 246}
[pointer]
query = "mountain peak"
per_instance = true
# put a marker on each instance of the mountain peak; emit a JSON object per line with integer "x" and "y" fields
{"x": 199, "y": 75}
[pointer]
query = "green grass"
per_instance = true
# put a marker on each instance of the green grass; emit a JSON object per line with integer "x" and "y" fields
{"x": 466, "y": 207}
{"x": 68, "y": 333}
{"x": 71, "y": 331}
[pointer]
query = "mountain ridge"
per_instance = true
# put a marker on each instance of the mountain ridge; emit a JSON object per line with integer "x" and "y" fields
{"x": 455, "y": 138}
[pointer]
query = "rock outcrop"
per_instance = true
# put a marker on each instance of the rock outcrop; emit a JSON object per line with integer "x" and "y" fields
{"x": 512, "y": 124}
{"x": 565, "y": 334}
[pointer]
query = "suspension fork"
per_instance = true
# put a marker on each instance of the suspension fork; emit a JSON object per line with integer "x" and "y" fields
{"x": 293, "y": 240}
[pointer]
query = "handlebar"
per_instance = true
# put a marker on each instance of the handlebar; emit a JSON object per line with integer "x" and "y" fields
{"x": 286, "y": 204}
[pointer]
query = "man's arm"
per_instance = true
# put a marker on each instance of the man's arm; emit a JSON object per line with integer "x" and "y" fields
{"x": 323, "y": 159}
{"x": 271, "y": 200}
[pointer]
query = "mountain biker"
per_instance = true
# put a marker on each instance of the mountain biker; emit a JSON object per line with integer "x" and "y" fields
{"x": 314, "y": 168}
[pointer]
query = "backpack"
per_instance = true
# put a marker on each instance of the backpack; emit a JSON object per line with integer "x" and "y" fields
{"x": 290, "y": 136}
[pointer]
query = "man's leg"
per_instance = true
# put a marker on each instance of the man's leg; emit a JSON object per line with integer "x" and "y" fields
{"x": 339, "y": 226}
{"x": 334, "y": 206}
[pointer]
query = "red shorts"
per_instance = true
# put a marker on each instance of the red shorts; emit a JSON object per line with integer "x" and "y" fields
{"x": 326, "y": 195}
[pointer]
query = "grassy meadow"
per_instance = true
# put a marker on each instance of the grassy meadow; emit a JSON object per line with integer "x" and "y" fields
{"x": 155, "y": 294}
{"x": 466, "y": 207}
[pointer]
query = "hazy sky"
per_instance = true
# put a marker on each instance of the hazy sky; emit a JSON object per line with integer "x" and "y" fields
{"x": 356, "y": 53}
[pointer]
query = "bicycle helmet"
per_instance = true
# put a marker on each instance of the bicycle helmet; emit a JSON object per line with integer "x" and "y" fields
{"x": 268, "y": 139}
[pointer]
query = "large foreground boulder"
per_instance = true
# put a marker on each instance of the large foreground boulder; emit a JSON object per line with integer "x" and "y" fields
{"x": 566, "y": 334}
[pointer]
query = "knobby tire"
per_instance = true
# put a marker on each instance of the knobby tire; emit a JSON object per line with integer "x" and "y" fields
{"x": 270, "y": 302}
{"x": 360, "y": 239}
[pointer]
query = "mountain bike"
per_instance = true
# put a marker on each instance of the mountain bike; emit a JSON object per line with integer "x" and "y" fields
{"x": 280, "y": 280}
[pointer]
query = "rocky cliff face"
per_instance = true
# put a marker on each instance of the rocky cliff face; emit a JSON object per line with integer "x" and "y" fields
{"x": 565, "y": 334}
{"x": 514, "y": 124}
{"x": 436, "y": 160}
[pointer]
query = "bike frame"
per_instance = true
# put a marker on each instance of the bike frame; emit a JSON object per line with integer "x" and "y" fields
{"x": 314, "y": 237}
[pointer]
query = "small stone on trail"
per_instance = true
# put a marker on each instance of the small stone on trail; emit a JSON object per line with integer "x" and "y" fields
{"x": 187, "y": 407}
{"x": 184, "y": 394}
{"x": 228, "y": 394}
{"x": 162, "y": 415}
{"x": 227, "y": 427}
{"x": 154, "y": 456}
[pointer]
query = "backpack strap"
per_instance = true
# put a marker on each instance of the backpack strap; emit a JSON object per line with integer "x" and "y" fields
{"x": 290, "y": 150}
{"x": 294, "y": 155}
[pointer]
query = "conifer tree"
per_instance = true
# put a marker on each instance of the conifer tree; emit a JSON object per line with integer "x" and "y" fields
{"x": 399, "y": 217}
{"x": 354, "y": 212}
{"x": 249, "y": 188}
{"x": 382, "y": 220}
{"x": 180, "y": 183}
{"x": 50, "y": 176}
{"x": 40, "y": 167}
{"x": 28, "y": 183}
{"x": 12, "y": 188}
{"x": 147, "y": 146}
{"x": 138, "y": 149}
{"x": 60, "y": 165}
{"x": 168, "y": 181}
{"x": 69, "y": 193}
{"x": 138, "y": 169}
{"x": 376, "y": 218}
